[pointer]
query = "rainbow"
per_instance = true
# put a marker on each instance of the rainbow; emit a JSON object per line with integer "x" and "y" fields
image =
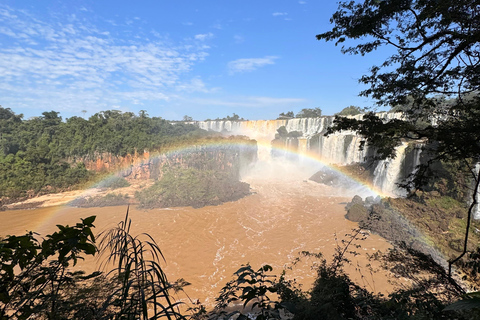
{"x": 215, "y": 145}
{"x": 303, "y": 156}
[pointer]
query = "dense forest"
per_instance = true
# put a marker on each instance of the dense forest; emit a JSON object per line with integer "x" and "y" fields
{"x": 39, "y": 154}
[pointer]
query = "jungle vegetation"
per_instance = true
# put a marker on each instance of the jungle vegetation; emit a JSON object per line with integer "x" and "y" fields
{"x": 45, "y": 153}
{"x": 180, "y": 186}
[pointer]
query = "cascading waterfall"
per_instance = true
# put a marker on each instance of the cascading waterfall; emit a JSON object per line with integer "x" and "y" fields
{"x": 341, "y": 148}
{"x": 388, "y": 172}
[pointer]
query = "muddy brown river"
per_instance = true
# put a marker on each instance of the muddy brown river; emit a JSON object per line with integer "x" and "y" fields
{"x": 205, "y": 246}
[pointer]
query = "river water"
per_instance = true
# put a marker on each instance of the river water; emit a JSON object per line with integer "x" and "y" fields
{"x": 205, "y": 246}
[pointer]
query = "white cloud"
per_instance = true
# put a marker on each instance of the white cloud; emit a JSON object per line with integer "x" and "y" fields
{"x": 250, "y": 64}
{"x": 277, "y": 14}
{"x": 302, "y": 2}
{"x": 71, "y": 63}
{"x": 195, "y": 85}
{"x": 204, "y": 36}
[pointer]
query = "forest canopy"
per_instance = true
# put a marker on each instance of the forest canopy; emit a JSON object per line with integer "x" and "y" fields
{"x": 42, "y": 151}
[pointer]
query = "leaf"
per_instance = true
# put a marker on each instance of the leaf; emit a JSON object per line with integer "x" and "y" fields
{"x": 267, "y": 268}
{"x": 40, "y": 281}
{"x": 89, "y": 220}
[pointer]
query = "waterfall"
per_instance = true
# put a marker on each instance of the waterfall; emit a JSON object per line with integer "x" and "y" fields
{"x": 341, "y": 148}
{"x": 388, "y": 173}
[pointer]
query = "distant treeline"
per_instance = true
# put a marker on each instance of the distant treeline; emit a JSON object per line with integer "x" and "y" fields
{"x": 34, "y": 152}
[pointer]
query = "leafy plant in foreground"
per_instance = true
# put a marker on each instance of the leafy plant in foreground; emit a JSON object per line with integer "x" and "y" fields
{"x": 33, "y": 273}
{"x": 143, "y": 291}
{"x": 253, "y": 289}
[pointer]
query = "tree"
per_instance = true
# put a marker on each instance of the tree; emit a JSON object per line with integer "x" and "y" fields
{"x": 350, "y": 111}
{"x": 234, "y": 117}
{"x": 309, "y": 113}
{"x": 288, "y": 114}
{"x": 437, "y": 58}
{"x": 187, "y": 118}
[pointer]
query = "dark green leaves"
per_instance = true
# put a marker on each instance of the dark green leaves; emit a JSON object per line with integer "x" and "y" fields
{"x": 34, "y": 275}
{"x": 253, "y": 288}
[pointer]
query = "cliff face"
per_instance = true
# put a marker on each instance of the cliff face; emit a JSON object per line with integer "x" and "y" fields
{"x": 221, "y": 154}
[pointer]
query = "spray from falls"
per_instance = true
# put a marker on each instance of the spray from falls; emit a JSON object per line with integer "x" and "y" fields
{"x": 304, "y": 136}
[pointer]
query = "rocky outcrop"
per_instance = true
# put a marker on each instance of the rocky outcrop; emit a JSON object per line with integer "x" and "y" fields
{"x": 220, "y": 153}
{"x": 428, "y": 222}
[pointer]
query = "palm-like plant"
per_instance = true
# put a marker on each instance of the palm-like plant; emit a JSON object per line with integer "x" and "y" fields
{"x": 143, "y": 292}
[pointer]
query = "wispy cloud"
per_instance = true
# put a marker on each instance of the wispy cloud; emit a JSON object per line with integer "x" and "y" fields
{"x": 249, "y": 64}
{"x": 204, "y": 36}
{"x": 302, "y": 2}
{"x": 279, "y": 14}
{"x": 71, "y": 62}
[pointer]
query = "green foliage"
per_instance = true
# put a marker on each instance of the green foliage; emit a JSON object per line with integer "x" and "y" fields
{"x": 432, "y": 77}
{"x": 33, "y": 273}
{"x": 425, "y": 291}
{"x": 282, "y": 133}
{"x": 192, "y": 187}
{"x": 234, "y": 117}
{"x": 143, "y": 291}
{"x": 286, "y": 115}
{"x": 254, "y": 290}
{"x": 429, "y": 36}
{"x": 309, "y": 113}
{"x": 42, "y": 154}
{"x": 35, "y": 282}
{"x": 350, "y": 111}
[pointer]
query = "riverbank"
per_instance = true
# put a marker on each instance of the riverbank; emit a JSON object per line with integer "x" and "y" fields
{"x": 64, "y": 198}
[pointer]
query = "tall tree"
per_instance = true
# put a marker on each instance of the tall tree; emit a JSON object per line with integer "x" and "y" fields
{"x": 309, "y": 113}
{"x": 435, "y": 71}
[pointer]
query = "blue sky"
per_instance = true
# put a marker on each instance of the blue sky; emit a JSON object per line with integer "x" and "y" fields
{"x": 205, "y": 59}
